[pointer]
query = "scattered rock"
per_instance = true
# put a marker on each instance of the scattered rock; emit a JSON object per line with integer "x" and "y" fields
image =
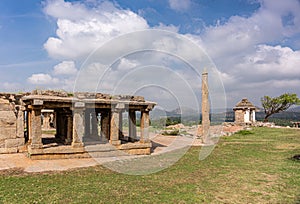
{"x": 296, "y": 157}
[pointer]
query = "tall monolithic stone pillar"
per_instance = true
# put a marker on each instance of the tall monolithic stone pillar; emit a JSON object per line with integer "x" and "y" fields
{"x": 205, "y": 108}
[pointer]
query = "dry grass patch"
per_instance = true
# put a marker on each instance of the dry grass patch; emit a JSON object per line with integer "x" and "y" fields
{"x": 243, "y": 172}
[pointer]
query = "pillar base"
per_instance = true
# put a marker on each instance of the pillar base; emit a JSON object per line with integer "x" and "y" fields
{"x": 130, "y": 139}
{"x": 36, "y": 146}
{"x": 115, "y": 142}
{"x": 144, "y": 141}
{"x": 68, "y": 141}
{"x": 77, "y": 144}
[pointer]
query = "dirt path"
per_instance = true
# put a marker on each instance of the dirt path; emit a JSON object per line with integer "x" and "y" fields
{"x": 160, "y": 143}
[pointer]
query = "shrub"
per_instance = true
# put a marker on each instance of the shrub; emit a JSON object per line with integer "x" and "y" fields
{"x": 244, "y": 132}
{"x": 170, "y": 132}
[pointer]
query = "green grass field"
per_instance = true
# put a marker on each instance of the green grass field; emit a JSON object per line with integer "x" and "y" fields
{"x": 250, "y": 167}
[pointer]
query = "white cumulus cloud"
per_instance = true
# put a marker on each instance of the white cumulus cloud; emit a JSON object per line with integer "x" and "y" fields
{"x": 81, "y": 29}
{"x": 42, "y": 79}
{"x": 65, "y": 68}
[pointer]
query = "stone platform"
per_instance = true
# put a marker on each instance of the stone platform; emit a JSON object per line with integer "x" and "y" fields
{"x": 91, "y": 148}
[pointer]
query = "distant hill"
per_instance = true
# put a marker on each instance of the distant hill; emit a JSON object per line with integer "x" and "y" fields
{"x": 219, "y": 116}
{"x": 178, "y": 112}
{"x": 295, "y": 109}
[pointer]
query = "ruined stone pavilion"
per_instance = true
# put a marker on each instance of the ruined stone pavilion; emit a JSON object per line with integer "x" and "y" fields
{"x": 81, "y": 121}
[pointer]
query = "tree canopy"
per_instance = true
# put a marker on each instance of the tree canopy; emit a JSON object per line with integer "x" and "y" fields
{"x": 278, "y": 104}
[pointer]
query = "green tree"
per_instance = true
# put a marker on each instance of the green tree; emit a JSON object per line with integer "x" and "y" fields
{"x": 278, "y": 104}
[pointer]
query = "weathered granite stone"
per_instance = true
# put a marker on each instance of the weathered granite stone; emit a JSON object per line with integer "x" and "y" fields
{"x": 7, "y": 120}
{"x": 102, "y": 96}
{"x": 50, "y": 93}
{"x": 138, "y": 98}
{"x": 20, "y": 120}
{"x": 9, "y": 143}
{"x": 205, "y": 108}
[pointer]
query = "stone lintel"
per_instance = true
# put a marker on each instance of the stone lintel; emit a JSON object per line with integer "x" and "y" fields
{"x": 120, "y": 106}
{"x": 37, "y": 102}
{"x": 79, "y": 104}
{"x": 149, "y": 107}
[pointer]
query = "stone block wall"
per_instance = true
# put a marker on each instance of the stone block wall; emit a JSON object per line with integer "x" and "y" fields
{"x": 9, "y": 140}
{"x": 239, "y": 116}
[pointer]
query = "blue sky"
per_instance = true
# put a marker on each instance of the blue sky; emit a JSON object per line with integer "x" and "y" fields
{"x": 255, "y": 44}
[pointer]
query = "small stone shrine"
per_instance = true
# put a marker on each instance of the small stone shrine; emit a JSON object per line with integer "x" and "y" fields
{"x": 244, "y": 112}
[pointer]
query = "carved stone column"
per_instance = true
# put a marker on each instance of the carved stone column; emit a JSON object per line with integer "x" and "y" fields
{"x": 36, "y": 125}
{"x": 114, "y": 127}
{"x": 69, "y": 129}
{"x": 20, "y": 121}
{"x": 145, "y": 121}
{"x": 94, "y": 124}
{"x": 58, "y": 124}
{"x": 78, "y": 124}
{"x": 63, "y": 126}
{"x": 29, "y": 128}
{"x": 120, "y": 124}
{"x": 87, "y": 122}
{"x": 105, "y": 122}
{"x": 132, "y": 125}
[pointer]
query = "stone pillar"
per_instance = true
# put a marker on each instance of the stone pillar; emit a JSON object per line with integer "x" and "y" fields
{"x": 63, "y": 126}
{"x": 78, "y": 124}
{"x": 29, "y": 126}
{"x": 121, "y": 124}
{"x": 57, "y": 124}
{"x": 54, "y": 119}
{"x": 69, "y": 129}
{"x": 36, "y": 128}
{"x": 145, "y": 121}
{"x": 87, "y": 122}
{"x": 46, "y": 120}
{"x": 132, "y": 126}
{"x": 20, "y": 122}
{"x": 94, "y": 124}
{"x": 105, "y": 121}
{"x": 205, "y": 108}
{"x": 114, "y": 127}
{"x": 253, "y": 116}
